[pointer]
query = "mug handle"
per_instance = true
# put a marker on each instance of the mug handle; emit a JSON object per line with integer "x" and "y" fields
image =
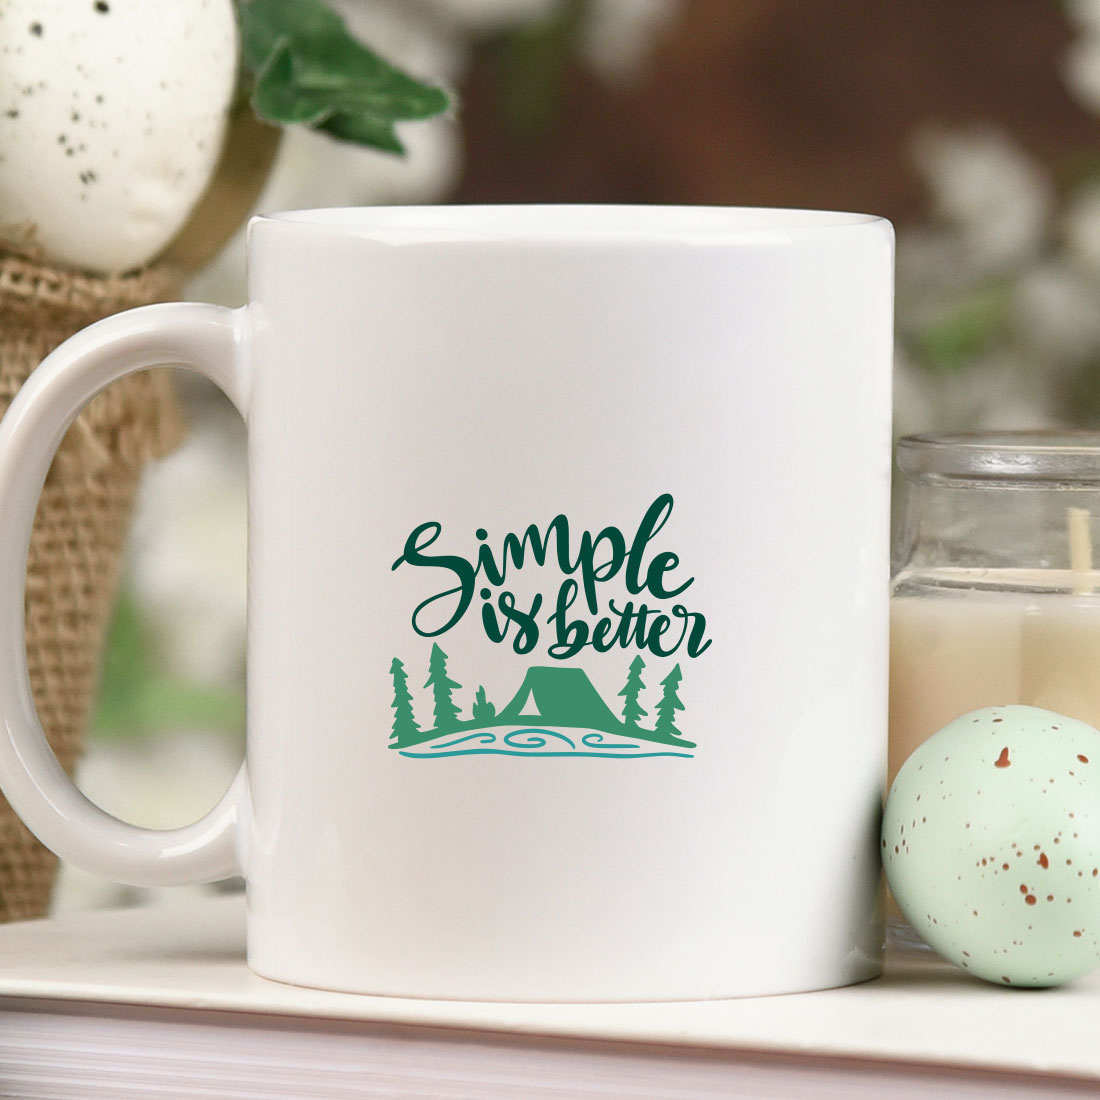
{"x": 212, "y": 341}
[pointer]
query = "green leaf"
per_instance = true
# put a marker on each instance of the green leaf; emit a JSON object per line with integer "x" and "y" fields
{"x": 532, "y": 66}
{"x": 957, "y": 337}
{"x": 136, "y": 698}
{"x": 265, "y": 22}
{"x": 308, "y": 70}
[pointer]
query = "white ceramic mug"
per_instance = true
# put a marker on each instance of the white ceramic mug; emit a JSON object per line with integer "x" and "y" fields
{"x": 567, "y": 596}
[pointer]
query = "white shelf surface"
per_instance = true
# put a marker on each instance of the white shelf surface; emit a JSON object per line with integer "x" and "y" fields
{"x": 191, "y": 957}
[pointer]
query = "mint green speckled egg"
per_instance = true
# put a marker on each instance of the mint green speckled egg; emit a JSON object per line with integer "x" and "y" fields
{"x": 991, "y": 845}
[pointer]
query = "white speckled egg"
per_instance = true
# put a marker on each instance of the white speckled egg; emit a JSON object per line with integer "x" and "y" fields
{"x": 991, "y": 845}
{"x": 112, "y": 114}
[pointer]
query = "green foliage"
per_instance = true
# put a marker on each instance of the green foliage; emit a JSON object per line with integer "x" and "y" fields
{"x": 533, "y": 61}
{"x": 137, "y": 698}
{"x": 483, "y": 711}
{"x": 1080, "y": 399}
{"x": 305, "y": 68}
{"x": 957, "y": 337}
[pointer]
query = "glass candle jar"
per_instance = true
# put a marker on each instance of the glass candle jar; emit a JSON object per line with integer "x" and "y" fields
{"x": 995, "y": 598}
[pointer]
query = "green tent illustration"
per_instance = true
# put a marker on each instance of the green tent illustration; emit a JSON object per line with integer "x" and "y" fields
{"x": 559, "y": 697}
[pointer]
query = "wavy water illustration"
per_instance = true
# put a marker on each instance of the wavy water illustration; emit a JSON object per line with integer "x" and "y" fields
{"x": 596, "y": 741}
{"x": 536, "y": 738}
{"x": 535, "y": 741}
{"x": 485, "y": 738}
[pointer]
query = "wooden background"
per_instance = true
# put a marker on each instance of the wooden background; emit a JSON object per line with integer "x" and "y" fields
{"x": 811, "y": 103}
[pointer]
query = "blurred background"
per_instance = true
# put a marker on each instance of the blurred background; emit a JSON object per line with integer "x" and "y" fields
{"x": 974, "y": 127}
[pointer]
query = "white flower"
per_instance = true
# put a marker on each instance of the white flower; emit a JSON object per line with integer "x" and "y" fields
{"x": 617, "y": 34}
{"x": 989, "y": 193}
{"x": 1055, "y": 312}
{"x": 408, "y": 34}
{"x": 1081, "y": 70}
{"x": 479, "y": 16}
{"x": 915, "y": 405}
{"x": 934, "y": 267}
{"x": 1003, "y": 392}
{"x": 1085, "y": 13}
{"x": 1081, "y": 229}
{"x": 1081, "y": 64}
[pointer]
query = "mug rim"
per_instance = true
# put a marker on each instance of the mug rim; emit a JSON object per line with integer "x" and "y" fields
{"x": 569, "y": 221}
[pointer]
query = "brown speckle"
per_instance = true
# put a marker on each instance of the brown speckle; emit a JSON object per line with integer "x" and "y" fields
{"x": 1077, "y": 934}
{"x": 36, "y": 29}
{"x": 1043, "y": 861}
{"x": 1084, "y": 759}
{"x": 1031, "y": 899}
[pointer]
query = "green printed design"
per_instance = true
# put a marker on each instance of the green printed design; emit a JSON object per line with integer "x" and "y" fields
{"x": 542, "y": 718}
{"x": 404, "y": 723}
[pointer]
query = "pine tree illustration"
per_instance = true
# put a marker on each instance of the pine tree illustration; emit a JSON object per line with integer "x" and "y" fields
{"x": 632, "y": 709}
{"x": 446, "y": 712}
{"x": 669, "y": 705}
{"x": 404, "y": 721}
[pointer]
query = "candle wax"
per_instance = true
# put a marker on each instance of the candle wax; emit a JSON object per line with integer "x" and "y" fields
{"x": 957, "y": 650}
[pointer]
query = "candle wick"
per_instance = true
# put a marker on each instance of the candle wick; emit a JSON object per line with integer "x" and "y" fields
{"x": 1080, "y": 549}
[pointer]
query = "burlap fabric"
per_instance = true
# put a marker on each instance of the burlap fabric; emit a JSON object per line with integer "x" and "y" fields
{"x": 82, "y": 520}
